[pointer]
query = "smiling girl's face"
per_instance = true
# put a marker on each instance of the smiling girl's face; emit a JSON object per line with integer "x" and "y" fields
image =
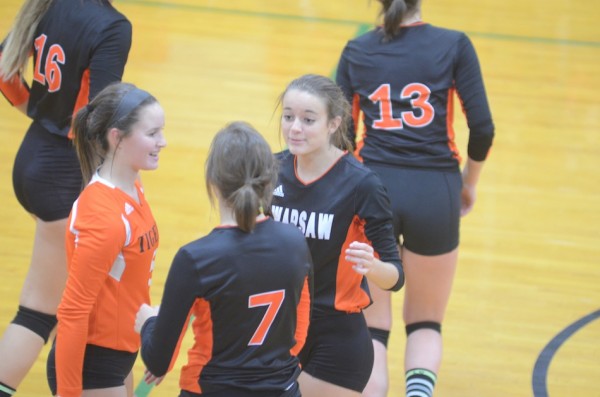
{"x": 305, "y": 125}
{"x": 146, "y": 139}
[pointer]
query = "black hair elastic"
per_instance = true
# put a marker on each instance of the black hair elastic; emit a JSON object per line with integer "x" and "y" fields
{"x": 128, "y": 103}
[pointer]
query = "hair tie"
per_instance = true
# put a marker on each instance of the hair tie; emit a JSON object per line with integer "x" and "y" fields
{"x": 128, "y": 103}
{"x": 89, "y": 108}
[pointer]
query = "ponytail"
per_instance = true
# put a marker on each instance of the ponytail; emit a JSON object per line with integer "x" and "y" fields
{"x": 241, "y": 168}
{"x": 86, "y": 149}
{"x": 393, "y": 12}
{"x": 20, "y": 38}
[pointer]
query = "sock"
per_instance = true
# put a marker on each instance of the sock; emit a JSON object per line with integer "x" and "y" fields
{"x": 420, "y": 382}
{"x": 6, "y": 391}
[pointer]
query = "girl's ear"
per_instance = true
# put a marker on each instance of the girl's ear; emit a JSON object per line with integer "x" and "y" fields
{"x": 334, "y": 124}
{"x": 113, "y": 137}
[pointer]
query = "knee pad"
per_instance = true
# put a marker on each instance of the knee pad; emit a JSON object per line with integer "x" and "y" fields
{"x": 39, "y": 323}
{"x": 410, "y": 328}
{"x": 380, "y": 335}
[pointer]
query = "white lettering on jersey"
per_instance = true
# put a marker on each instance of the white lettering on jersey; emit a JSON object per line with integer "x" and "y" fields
{"x": 312, "y": 224}
{"x": 278, "y": 191}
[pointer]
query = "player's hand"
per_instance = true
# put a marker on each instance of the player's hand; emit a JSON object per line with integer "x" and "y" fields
{"x": 467, "y": 198}
{"x": 143, "y": 314}
{"x": 150, "y": 379}
{"x": 362, "y": 255}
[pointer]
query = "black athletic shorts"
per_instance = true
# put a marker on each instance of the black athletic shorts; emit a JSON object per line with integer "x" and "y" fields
{"x": 425, "y": 207}
{"x": 339, "y": 350}
{"x": 102, "y": 367}
{"x": 293, "y": 391}
{"x": 46, "y": 174}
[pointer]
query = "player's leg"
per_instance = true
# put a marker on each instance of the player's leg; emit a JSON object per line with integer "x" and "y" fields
{"x": 337, "y": 358}
{"x": 105, "y": 371}
{"x": 379, "y": 320}
{"x": 119, "y": 391}
{"x": 24, "y": 338}
{"x": 427, "y": 291}
{"x": 129, "y": 384}
{"x": 431, "y": 224}
{"x": 314, "y": 387}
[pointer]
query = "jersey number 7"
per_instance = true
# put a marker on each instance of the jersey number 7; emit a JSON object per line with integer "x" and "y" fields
{"x": 273, "y": 301}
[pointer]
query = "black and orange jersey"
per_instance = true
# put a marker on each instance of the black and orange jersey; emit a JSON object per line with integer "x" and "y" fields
{"x": 249, "y": 294}
{"x": 111, "y": 243}
{"x": 348, "y": 203}
{"x": 405, "y": 90}
{"x": 80, "y": 46}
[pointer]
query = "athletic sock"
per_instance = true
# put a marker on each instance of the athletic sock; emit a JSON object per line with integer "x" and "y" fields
{"x": 420, "y": 382}
{"x": 6, "y": 391}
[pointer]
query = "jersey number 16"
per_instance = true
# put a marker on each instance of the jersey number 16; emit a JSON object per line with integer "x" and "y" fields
{"x": 54, "y": 57}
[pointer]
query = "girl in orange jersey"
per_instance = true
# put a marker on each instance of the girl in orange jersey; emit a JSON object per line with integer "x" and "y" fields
{"x": 111, "y": 243}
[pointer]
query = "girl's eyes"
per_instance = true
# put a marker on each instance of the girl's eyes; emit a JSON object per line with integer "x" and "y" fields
{"x": 154, "y": 133}
{"x": 290, "y": 118}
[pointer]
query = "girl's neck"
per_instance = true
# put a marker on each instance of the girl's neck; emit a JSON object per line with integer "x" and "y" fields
{"x": 122, "y": 179}
{"x": 412, "y": 18}
{"x": 312, "y": 166}
{"x": 227, "y": 217}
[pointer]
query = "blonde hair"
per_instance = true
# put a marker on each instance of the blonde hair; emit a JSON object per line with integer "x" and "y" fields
{"x": 20, "y": 38}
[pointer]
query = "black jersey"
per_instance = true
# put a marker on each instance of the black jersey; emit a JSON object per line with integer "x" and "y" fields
{"x": 249, "y": 293}
{"x": 348, "y": 203}
{"x": 405, "y": 90}
{"x": 80, "y": 46}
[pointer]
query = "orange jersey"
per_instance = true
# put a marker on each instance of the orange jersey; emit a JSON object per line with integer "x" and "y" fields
{"x": 111, "y": 243}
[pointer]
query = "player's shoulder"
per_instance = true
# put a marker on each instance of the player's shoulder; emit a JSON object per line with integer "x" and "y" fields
{"x": 364, "y": 178}
{"x": 282, "y": 230}
{"x": 369, "y": 39}
{"x": 98, "y": 207}
{"x": 98, "y": 193}
{"x": 98, "y": 16}
{"x": 358, "y": 168}
{"x": 443, "y": 36}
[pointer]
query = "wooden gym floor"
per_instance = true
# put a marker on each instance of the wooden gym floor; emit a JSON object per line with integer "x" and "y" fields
{"x": 523, "y": 318}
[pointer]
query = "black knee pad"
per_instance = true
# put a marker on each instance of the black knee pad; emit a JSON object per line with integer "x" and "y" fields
{"x": 410, "y": 328}
{"x": 380, "y": 335}
{"x": 40, "y": 323}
